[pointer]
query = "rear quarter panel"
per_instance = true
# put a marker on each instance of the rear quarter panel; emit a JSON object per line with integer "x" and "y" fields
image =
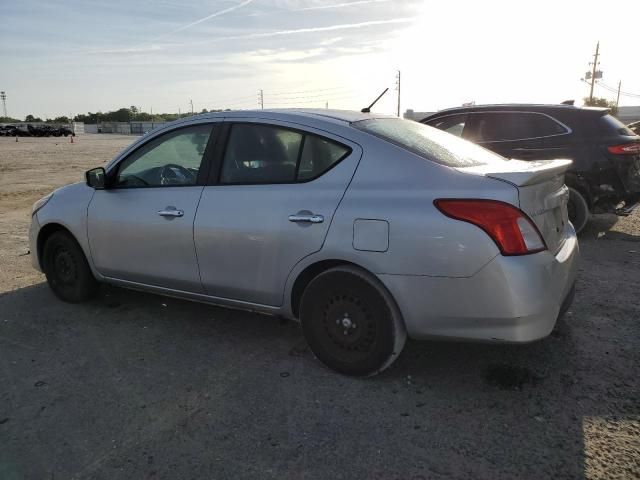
{"x": 399, "y": 187}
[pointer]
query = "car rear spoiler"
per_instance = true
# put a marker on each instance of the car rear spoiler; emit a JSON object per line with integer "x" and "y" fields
{"x": 519, "y": 172}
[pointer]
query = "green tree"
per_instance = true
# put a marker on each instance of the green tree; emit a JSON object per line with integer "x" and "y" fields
{"x": 31, "y": 118}
{"x": 121, "y": 115}
{"x": 88, "y": 117}
{"x": 143, "y": 117}
{"x": 62, "y": 119}
{"x": 9, "y": 120}
{"x": 601, "y": 102}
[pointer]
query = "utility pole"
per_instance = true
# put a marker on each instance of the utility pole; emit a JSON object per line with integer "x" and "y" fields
{"x": 593, "y": 72}
{"x": 398, "y": 88}
{"x": 326, "y": 105}
{"x": 618, "y": 97}
{"x": 261, "y": 97}
{"x": 191, "y": 103}
{"x": 3, "y": 96}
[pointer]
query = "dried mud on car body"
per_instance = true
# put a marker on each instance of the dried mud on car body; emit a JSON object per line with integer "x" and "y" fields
{"x": 135, "y": 385}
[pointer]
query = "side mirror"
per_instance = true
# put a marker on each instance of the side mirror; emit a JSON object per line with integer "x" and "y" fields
{"x": 96, "y": 178}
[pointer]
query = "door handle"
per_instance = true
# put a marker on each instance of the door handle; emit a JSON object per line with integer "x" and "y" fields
{"x": 306, "y": 218}
{"x": 171, "y": 212}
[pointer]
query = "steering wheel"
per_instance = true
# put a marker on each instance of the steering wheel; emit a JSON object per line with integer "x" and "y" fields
{"x": 168, "y": 175}
{"x": 124, "y": 181}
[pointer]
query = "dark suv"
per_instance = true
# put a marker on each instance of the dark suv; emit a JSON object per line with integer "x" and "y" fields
{"x": 605, "y": 153}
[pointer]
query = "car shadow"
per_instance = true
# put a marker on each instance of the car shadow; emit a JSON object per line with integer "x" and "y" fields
{"x": 135, "y": 385}
{"x": 608, "y": 226}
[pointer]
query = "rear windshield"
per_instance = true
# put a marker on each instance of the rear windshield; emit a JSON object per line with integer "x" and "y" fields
{"x": 612, "y": 124}
{"x": 428, "y": 142}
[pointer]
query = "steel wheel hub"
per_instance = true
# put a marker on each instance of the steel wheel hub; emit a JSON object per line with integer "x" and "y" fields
{"x": 349, "y": 324}
{"x": 65, "y": 266}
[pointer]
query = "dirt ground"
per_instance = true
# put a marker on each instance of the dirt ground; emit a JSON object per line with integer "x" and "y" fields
{"x": 135, "y": 385}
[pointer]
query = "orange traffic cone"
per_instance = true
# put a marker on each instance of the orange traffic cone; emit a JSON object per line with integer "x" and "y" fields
{"x": 71, "y": 139}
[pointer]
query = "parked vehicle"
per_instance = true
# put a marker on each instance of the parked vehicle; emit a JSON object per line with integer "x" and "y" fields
{"x": 365, "y": 228}
{"x": 6, "y": 130}
{"x": 13, "y": 131}
{"x": 605, "y": 153}
{"x": 49, "y": 131}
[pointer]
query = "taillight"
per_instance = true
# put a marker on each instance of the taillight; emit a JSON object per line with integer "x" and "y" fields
{"x": 625, "y": 149}
{"x": 509, "y": 227}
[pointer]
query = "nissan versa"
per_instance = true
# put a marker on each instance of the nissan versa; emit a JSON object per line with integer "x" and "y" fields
{"x": 367, "y": 229}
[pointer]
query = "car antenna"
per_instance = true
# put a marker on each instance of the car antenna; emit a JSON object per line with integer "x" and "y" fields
{"x": 368, "y": 109}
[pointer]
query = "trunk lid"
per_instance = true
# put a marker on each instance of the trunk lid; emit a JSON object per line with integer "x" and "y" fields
{"x": 542, "y": 193}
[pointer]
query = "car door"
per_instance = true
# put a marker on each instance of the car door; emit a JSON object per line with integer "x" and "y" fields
{"x": 520, "y": 135}
{"x": 141, "y": 227}
{"x": 271, "y": 205}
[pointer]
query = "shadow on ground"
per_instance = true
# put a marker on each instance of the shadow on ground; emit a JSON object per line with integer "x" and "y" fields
{"x": 135, "y": 385}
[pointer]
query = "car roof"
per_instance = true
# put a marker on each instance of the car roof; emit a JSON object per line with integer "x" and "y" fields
{"x": 516, "y": 107}
{"x": 339, "y": 116}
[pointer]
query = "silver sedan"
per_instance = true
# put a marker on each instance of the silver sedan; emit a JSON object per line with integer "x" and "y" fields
{"x": 367, "y": 229}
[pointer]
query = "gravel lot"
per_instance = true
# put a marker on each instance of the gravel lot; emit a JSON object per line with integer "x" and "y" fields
{"x": 135, "y": 385}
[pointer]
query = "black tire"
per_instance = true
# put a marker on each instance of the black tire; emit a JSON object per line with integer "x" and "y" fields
{"x": 578, "y": 207}
{"x": 351, "y": 323}
{"x": 67, "y": 270}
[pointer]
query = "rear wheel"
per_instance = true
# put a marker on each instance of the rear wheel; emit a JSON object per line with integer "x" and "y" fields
{"x": 67, "y": 270}
{"x": 351, "y": 323}
{"x": 578, "y": 210}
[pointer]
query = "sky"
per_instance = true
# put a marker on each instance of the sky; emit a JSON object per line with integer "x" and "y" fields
{"x": 73, "y": 56}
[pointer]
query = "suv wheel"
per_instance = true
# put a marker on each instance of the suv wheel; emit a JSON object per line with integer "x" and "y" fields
{"x": 67, "y": 270}
{"x": 351, "y": 323}
{"x": 578, "y": 208}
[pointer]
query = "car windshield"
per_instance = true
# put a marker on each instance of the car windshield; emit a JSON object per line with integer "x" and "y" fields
{"x": 428, "y": 142}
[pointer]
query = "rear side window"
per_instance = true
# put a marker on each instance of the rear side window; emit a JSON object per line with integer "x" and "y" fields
{"x": 257, "y": 153}
{"x": 318, "y": 156}
{"x": 506, "y": 126}
{"x": 428, "y": 142}
{"x": 612, "y": 124}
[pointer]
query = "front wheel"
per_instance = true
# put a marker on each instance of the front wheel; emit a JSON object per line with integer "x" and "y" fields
{"x": 578, "y": 210}
{"x": 351, "y": 323}
{"x": 67, "y": 269}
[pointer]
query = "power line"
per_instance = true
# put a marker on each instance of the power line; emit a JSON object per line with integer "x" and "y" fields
{"x": 615, "y": 90}
{"x": 320, "y": 100}
{"x": 276, "y": 93}
{"x": 323, "y": 95}
{"x": 227, "y": 100}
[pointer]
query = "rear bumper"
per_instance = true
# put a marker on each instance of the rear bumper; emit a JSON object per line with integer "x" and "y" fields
{"x": 511, "y": 299}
